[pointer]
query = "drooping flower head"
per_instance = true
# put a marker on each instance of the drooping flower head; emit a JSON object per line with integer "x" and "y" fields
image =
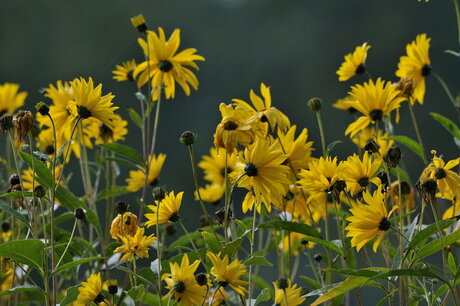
{"x": 167, "y": 209}
{"x": 354, "y": 63}
{"x": 10, "y": 98}
{"x": 125, "y": 224}
{"x": 374, "y": 100}
{"x": 369, "y": 220}
{"x": 164, "y": 67}
{"x": 344, "y": 104}
{"x": 287, "y": 294}
{"x": 124, "y": 72}
{"x": 137, "y": 245}
{"x": 106, "y": 134}
{"x": 359, "y": 173}
{"x": 228, "y": 274}
{"x": 91, "y": 291}
{"x": 416, "y": 65}
{"x": 136, "y": 178}
{"x": 182, "y": 284}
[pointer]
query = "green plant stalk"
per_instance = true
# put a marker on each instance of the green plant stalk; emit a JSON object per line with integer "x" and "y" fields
{"x": 457, "y": 14}
{"x": 417, "y": 132}
{"x": 193, "y": 244}
{"x": 322, "y": 134}
{"x": 33, "y": 185}
{"x": 226, "y": 197}
{"x": 446, "y": 89}
{"x": 157, "y": 227}
{"x": 253, "y": 236}
{"x": 67, "y": 246}
{"x": 402, "y": 285}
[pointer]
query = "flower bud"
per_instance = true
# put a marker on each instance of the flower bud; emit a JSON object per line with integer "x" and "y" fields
{"x": 121, "y": 207}
{"x": 39, "y": 191}
{"x": 139, "y": 23}
{"x": 6, "y": 123}
{"x": 315, "y": 104}
{"x": 201, "y": 279}
{"x": 317, "y": 257}
{"x": 80, "y": 215}
{"x": 187, "y": 138}
{"x": 14, "y": 179}
{"x": 220, "y": 215}
{"x": 159, "y": 193}
{"x": 42, "y": 108}
{"x": 282, "y": 283}
{"x": 393, "y": 157}
{"x": 372, "y": 147}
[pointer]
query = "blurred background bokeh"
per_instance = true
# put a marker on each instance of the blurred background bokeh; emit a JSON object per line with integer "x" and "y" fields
{"x": 293, "y": 46}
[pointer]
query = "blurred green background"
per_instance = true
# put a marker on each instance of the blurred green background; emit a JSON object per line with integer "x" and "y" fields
{"x": 293, "y": 46}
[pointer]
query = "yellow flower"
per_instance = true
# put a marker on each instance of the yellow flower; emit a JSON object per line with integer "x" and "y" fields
{"x": 454, "y": 210}
{"x": 358, "y": 173}
{"x": 261, "y": 170}
{"x": 164, "y": 67}
{"x": 108, "y": 135}
{"x": 289, "y": 296}
{"x": 291, "y": 240}
{"x": 88, "y": 102}
{"x": 6, "y": 231}
{"x": 124, "y": 72}
{"x": 344, "y": 104}
{"x": 214, "y": 165}
{"x": 167, "y": 208}
{"x": 8, "y": 280}
{"x": 354, "y": 63}
{"x": 137, "y": 245}
{"x": 111, "y": 286}
{"x": 182, "y": 284}
{"x": 217, "y": 296}
{"x": 91, "y": 291}
{"x": 211, "y": 193}
{"x": 139, "y": 22}
{"x": 298, "y": 150}
{"x": 416, "y": 65}
{"x": 448, "y": 180}
{"x": 374, "y": 101}
{"x": 367, "y": 134}
{"x": 10, "y": 98}
{"x": 136, "y": 178}
{"x": 406, "y": 202}
{"x": 263, "y": 111}
{"x": 123, "y": 225}
{"x": 234, "y": 128}
{"x": 369, "y": 220}
{"x": 226, "y": 273}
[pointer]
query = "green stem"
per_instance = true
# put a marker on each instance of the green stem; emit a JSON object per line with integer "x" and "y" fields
{"x": 417, "y": 131}
{"x": 253, "y": 235}
{"x": 192, "y": 243}
{"x": 446, "y": 89}
{"x": 457, "y": 13}
{"x": 321, "y": 131}
{"x": 67, "y": 246}
{"x": 158, "y": 251}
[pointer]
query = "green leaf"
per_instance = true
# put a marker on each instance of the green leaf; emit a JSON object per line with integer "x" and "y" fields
{"x": 403, "y": 272}
{"x": 438, "y": 244}
{"x": 402, "y": 174}
{"x": 328, "y": 244}
{"x": 114, "y": 191}
{"x": 14, "y": 213}
{"x": 122, "y": 161}
{"x": 430, "y": 230}
{"x": 451, "y": 263}
{"x": 292, "y": 227}
{"x": 70, "y": 296}
{"x": 21, "y": 289}
{"x": 136, "y": 292}
{"x": 211, "y": 241}
{"x": 263, "y": 296}
{"x": 135, "y": 117}
{"x": 310, "y": 281}
{"x": 29, "y": 252}
{"x": 16, "y": 194}
{"x": 389, "y": 296}
{"x": 41, "y": 170}
{"x": 233, "y": 246}
{"x": 411, "y": 144}
{"x": 73, "y": 264}
{"x": 125, "y": 151}
{"x": 361, "y": 272}
{"x": 348, "y": 284}
{"x": 258, "y": 260}
{"x": 447, "y": 124}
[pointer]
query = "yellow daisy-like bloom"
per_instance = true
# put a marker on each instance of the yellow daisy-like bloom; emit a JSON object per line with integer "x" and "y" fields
{"x": 136, "y": 178}
{"x": 374, "y": 101}
{"x": 213, "y": 165}
{"x": 292, "y": 240}
{"x": 182, "y": 284}
{"x": 124, "y": 72}
{"x": 8, "y": 281}
{"x": 261, "y": 170}
{"x": 226, "y": 273}
{"x": 448, "y": 180}
{"x": 211, "y": 193}
{"x": 27, "y": 177}
{"x": 369, "y": 220}
{"x": 123, "y": 225}
{"x": 234, "y": 128}
{"x": 416, "y": 65}
{"x": 358, "y": 173}
{"x": 289, "y": 296}
{"x": 137, "y": 245}
{"x": 88, "y": 102}
{"x": 453, "y": 210}
{"x": 250, "y": 200}
{"x": 367, "y": 134}
{"x": 407, "y": 201}
{"x": 139, "y": 22}
{"x": 167, "y": 208}
{"x": 10, "y": 98}
{"x": 164, "y": 67}
{"x": 108, "y": 135}
{"x": 91, "y": 291}
{"x": 295, "y": 203}
{"x": 298, "y": 150}
{"x": 263, "y": 111}
{"x": 344, "y": 104}
{"x": 354, "y": 63}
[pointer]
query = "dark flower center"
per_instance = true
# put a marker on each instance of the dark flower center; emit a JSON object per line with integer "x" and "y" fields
{"x": 230, "y": 126}
{"x": 179, "y": 287}
{"x": 113, "y": 289}
{"x": 264, "y": 119}
{"x": 49, "y": 149}
{"x": 154, "y": 182}
{"x": 6, "y": 226}
{"x": 376, "y": 115}
{"x": 360, "y": 69}
{"x": 363, "y": 182}
{"x": 283, "y": 283}
{"x": 250, "y": 169}
{"x": 405, "y": 188}
{"x": 165, "y": 66}
{"x": 83, "y": 112}
{"x": 384, "y": 224}
{"x": 201, "y": 279}
{"x": 174, "y": 217}
{"x": 222, "y": 284}
{"x": 105, "y": 132}
{"x": 426, "y": 70}
{"x": 2, "y": 112}
{"x": 99, "y": 298}
{"x": 129, "y": 76}
{"x": 351, "y": 110}
{"x": 440, "y": 173}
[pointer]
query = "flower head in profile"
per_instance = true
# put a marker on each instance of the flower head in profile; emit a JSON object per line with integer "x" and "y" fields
{"x": 374, "y": 100}
{"x": 182, "y": 284}
{"x": 87, "y": 101}
{"x": 448, "y": 181}
{"x": 406, "y": 201}
{"x": 261, "y": 170}
{"x": 91, "y": 291}
{"x": 369, "y": 220}
{"x": 416, "y": 65}
{"x": 354, "y": 63}
{"x": 287, "y": 294}
{"x": 165, "y": 67}
{"x": 137, "y": 245}
{"x": 344, "y": 104}
{"x": 228, "y": 274}
{"x": 10, "y": 98}
{"x": 124, "y": 72}
{"x": 139, "y": 23}
{"x": 125, "y": 224}
{"x": 166, "y": 210}
{"x": 234, "y": 128}
{"x": 136, "y": 178}
{"x": 263, "y": 111}
{"x": 359, "y": 173}
{"x": 106, "y": 134}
